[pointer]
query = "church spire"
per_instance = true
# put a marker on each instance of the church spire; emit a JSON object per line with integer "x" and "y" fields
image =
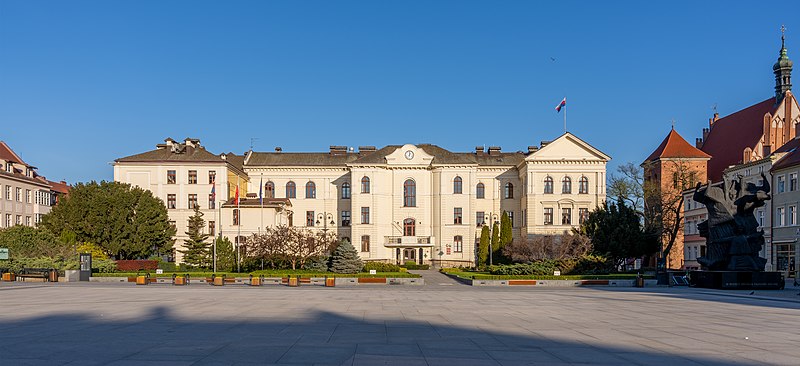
{"x": 782, "y": 70}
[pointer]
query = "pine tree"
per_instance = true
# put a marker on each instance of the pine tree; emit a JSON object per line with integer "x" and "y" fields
{"x": 226, "y": 257}
{"x": 197, "y": 251}
{"x": 495, "y": 240}
{"x": 483, "y": 247}
{"x": 345, "y": 259}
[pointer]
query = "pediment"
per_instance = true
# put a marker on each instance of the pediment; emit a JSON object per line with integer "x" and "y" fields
{"x": 409, "y": 155}
{"x": 568, "y": 147}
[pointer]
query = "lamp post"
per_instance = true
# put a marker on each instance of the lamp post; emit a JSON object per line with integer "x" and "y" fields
{"x": 323, "y": 219}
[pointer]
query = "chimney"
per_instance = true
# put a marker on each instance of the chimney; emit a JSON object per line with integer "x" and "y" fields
{"x": 366, "y": 149}
{"x": 278, "y": 149}
{"x": 705, "y": 133}
{"x": 543, "y": 144}
{"x": 479, "y": 150}
{"x": 698, "y": 142}
{"x": 494, "y": 150}
{"x": 532, "y": 149}
{"x": 713, "y": 119}
{"x": 338, "y": 150}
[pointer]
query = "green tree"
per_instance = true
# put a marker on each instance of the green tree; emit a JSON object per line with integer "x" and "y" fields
{"x": 196, "y": 252}
{"x": 506, "y": 237}
{"x": 28, "y": 242}
{"x": 128, "y": 222}
{"x": 226, "y": 257}
{"x": 345, "y": 259}
{"x": 495, "y": 240}
{"x": 616, "y": 231}
{"x": 483, "y": 247}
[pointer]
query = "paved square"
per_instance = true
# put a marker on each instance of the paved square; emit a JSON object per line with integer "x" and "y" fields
{"x": 437, "y": 324}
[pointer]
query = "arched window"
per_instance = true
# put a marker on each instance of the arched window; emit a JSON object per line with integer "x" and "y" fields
{"x": 409, "y": 227}
{"x": 311, "y": 190}
{"x": 457, "y": 183}
{"x": 291, "y": 190}
{"x": 480, "y": 191}
{"x": 365, "y": 184}
{"x": 345, "y": 190}
{"x": 566, "y": 185}
{"x": 548, "y": 185}
{"x": 409, "y": 193}
{"x": 269, "y": 190}
{"x": 583, "y": 185}
{"x": 509, "y": 190}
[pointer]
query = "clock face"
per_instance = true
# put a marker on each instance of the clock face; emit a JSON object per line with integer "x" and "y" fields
{"x": 409, "y": 154}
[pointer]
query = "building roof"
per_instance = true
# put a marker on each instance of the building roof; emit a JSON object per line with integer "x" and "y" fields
{"x": 730, "y": 135}
{"x": 59, "y": 187}
{"x": 9, "y": 155}
{"x": 674, "y": 146}
{"x": 300, "y": 159}
{"x": 162, "y": 154}
{"x": 792, "y": 158}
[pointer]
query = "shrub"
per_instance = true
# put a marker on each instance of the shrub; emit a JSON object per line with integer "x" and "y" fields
{"x": 381, "y": 267}
{"x": 316, "y": 264}
{"x": 104, "y": 266}
{"x": 95, "y": 250}
{"x": 412, "y": 265}
{"x": 136, "y": 264}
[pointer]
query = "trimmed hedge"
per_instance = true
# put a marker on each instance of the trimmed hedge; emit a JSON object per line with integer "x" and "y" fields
{"x": 136, "y": 264}
{"x": 303, "y": 274}
{"x": 380, "y": 267}
{"x": 415, "y": 266}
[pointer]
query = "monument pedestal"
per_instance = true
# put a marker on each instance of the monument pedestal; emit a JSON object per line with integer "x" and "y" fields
{"x": 734, "y": 280}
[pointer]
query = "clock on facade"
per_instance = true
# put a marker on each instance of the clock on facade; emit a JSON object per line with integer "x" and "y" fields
{"x": 409, "y": 154}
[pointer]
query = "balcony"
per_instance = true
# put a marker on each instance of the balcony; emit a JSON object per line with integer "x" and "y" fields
{"x": 409, "y": 241}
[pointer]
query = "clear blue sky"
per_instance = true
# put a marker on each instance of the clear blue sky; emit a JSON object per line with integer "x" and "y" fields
{"x": 85, "y": 82}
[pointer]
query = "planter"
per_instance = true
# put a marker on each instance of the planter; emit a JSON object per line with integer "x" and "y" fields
{"x": 142, "y": 280}
{"x": 371, "y": 280}
{"x": 293, "y": 282}
{"x": 179, "y": 281}
{"x": 255, "y": 281}
{"x": 218, "y": 281}
{"x": 330, "y": 282}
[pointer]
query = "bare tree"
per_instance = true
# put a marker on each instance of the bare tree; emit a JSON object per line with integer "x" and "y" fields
{"x": 627, "y": 185}
{"x": 567, "y": 245}
{"x": 292, "y": 244}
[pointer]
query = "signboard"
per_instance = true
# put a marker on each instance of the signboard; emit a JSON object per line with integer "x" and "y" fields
{"x": 159, "y": 271}
{"x": 3, "y": 253}
{"x": 372, "y": 271}
{"x": 556, "y": 273}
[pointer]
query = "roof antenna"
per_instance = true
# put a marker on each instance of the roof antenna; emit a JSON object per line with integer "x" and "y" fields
{"x": 252, "y": 142}
{"x": 673, "y": 123}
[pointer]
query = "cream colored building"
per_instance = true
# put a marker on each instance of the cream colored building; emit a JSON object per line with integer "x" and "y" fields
{"x": 183, "y": 174}
{"x": 402, "y": 203}
{"x": 25, "y": 196}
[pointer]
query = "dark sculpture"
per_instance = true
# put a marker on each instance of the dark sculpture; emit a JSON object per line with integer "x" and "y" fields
{"x": 731, "y": 231}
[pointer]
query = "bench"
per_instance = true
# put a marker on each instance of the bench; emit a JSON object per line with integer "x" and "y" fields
{"x": 522, "y": 282}
{"x": 46, "y": 274}
{"x": 371, "y": 280}
{"x": 594, "y": 282}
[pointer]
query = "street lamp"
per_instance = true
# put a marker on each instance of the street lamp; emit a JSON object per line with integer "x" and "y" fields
{"x": 323, "y": 218}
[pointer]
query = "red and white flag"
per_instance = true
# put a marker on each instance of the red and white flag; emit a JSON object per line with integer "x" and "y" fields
{"x": 562, "y": 104}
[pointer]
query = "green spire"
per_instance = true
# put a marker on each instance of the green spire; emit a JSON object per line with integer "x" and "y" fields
{"x": 782, "y": 70}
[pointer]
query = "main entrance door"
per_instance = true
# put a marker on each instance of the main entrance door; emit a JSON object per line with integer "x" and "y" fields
{"x": 409, "y": 255}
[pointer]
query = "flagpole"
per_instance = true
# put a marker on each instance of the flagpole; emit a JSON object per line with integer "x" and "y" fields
{"x": 217, "y": 218}
{"x": 238, "y": 229}
{"x": 565, "y": 118}
{"x": 262, "y": 203}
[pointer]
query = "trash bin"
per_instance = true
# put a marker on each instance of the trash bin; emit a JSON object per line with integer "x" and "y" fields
{"x": 639, "y": 281}
{"x": 53, "y": 275}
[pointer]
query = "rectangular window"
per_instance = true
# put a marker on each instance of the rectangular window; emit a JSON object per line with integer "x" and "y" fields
{"x": 511, "y": 217}
{"x": 760, "y": 216}
{"x": 365, "y": 243}
{"x": 781, "y": 184}
{"x": 193, "y": 201}
{"x": 193, "y": 177}
{"x": 566, "y": 216}
{"x": 171, "y": 177}
{"x": 212, "y": 228}
{"x": 8, "y": 220}
{"x": 171, "y": 204}
{"x": 19, "y": 220}
{"x": 480, "y": 218}
{"x": 212, "y": 177}
{"x": 8, "y": 193}
{"x": 793, "y": 182}
{"x": 236, "y": 216}
{"x": 365, "y": 215}
{"x": 583, "y": 215}
{"x": 457, "y": 216}
{"x": 19, "y": 194}
{"x": 345, "y": 218}
{"x": 309, "y": 218}
{"x": 211, "y": 203}
{"x": 780, "y": 217}
{"x": 28, "y": 221}
{"x": 458, "y": 244}
{"x": 548, "y": 216}
{"x": 792, "y": 215}
{"x": 28, "y": 196}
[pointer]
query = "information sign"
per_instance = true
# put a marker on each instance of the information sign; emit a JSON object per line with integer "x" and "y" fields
{"x": 3, "y": 253}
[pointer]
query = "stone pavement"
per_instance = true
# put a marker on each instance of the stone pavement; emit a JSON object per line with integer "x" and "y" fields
{"x": 122, "y": 324}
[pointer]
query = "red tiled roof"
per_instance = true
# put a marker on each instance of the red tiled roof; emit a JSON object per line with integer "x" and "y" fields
{"x": 674, "y": 146}
{"x": 7, "y": 154}
{"x": 730, "y": 135}
{"x": 60, "y": 187}
{"x": 790, "y": 159}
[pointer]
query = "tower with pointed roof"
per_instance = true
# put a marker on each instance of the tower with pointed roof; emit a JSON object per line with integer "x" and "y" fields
{"x": 782, "y": 70}
{"x": 673, "y": 167}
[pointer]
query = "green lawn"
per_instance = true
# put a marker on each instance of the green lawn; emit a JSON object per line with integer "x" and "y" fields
{"x": 265, "y": 273}
{"x": 488, "y": 276}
